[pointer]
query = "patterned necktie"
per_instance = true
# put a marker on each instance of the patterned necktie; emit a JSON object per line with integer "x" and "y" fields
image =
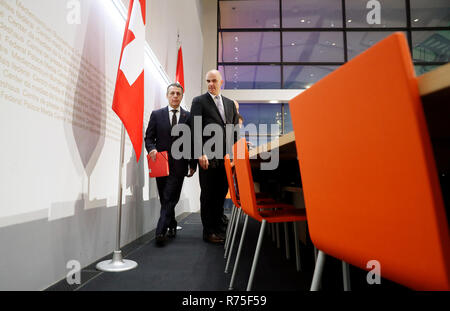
{"x": 174, "y": 117}
{"x": 219, "y": 105}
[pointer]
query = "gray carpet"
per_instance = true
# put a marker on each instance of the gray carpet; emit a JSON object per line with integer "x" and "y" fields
{"x": 187, "y": 263}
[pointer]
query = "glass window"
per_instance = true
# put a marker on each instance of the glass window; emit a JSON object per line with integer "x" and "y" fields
{"x": 249, "y": 47}
{"x": 364, "y": 13}
{"x": 420, "y": 70}
{"x": 257, "y": 114}
{"x": 300, "y": 77}
{"x": 250, "y": 14}
{"x": 359, "y": 41}
{"x": 313, "y": 46}
{"x": 287, "y": 119}
{"x": 430, "y": 13}
{"x": 251, "y": 77}
{"x": 431, "y": 46}
{"x": 309, "y": 43}
{"x": 312, "y": 13}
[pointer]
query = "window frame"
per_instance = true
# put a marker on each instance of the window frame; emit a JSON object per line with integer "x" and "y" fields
{"x": 344, "y": 30}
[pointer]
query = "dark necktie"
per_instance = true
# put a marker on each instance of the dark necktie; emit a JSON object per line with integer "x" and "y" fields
{"x": 219, "y": 105}
{"x": 174, "y": 117}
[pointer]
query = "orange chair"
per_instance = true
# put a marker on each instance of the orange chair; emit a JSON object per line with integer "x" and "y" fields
{"x": 282, "y": 213}
{"x": 237, "y": 212}
{"x": 368, "y": 172}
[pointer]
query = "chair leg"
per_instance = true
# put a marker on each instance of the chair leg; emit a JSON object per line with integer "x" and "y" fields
{"x": 257, "y": 251}
{"x": 233, "y": 230}
{"x": 232, "y": 242}
{"x": 277, "y": 225}
{"x": 318, "y": 269}
{"x": 238, "y": 255}
{"x": 286, "y": 238}
{"x": 229, "y": 231}
{"x": 297, "y": 247}
{"x": 315, "y": 255}
{"x": 273, "y": 231}
{"x": 346, "y": 276}
{"x": 230, "y": 223}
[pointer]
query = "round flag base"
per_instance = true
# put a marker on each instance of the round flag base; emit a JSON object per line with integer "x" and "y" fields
{"x": 117, "y": 264}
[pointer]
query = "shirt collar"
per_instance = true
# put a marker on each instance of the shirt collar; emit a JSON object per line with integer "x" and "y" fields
{"x": 213, "y": 96}
{"x": 170, "y": 108}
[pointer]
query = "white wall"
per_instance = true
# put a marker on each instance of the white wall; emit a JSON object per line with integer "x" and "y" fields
{"x": 60, "y": 139}
{"x": 167, "y": 19}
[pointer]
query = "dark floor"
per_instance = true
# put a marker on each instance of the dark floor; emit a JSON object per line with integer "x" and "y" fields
{"x": 187, "y": 263}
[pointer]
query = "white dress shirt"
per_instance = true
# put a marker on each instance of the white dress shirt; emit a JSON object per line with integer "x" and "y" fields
{"x": 171, "y": 114}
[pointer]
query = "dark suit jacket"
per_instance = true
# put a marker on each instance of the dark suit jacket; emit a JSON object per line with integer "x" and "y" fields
{"x": 158, "y": 136}
{"x": 205, "y": 107}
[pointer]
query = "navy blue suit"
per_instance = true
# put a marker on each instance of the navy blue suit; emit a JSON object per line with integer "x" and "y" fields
{"x": 158, "y": 136}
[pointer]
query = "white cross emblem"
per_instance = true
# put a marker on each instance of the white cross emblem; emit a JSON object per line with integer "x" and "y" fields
{"x": 132, "y": 63}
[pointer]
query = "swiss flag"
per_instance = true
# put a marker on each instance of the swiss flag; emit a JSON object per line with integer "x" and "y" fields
{"x": 179, "y": 76}
{"x": 128, "y": 102}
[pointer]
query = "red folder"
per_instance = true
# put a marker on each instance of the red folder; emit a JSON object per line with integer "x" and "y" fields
{"x": 160, "y": 167}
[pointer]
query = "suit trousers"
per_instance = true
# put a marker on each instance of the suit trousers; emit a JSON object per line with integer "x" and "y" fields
{"x": 169, "y": 189}
{"x": 214, "y": 188}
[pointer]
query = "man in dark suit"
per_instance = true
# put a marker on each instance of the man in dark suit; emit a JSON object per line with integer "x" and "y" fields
{"x": 158, "y": 138}
{"x": 217, "y": 111}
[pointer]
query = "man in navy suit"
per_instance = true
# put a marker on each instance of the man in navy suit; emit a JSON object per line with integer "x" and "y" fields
{"x": 158, "y": 138}
{"x": 217, "y": 111}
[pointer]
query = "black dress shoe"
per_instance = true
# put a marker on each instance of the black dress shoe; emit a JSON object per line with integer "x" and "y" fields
{"x": 221, "y": 234}
{"x": 213, "y": 238}
{"x": 160, "y": 239}
{"x": 172, "y": 232}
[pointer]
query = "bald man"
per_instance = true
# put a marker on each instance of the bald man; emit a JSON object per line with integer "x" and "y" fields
{"x": 213, "y": 108}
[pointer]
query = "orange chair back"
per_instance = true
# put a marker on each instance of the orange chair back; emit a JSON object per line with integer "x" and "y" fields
{"x": 230, "y": 179}
{"x": 369, "y": 177}
{"x": 244, "y": 176}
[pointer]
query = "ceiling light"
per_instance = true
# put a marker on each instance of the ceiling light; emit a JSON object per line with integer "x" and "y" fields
{"x": 349, "y": 21}
{"x": 292, "y": 43}
{"x": 333, "y": 44}
{"x": 274, "y": 102}
{"x": 416, "y": 20}
{"x": 302, "y": 20}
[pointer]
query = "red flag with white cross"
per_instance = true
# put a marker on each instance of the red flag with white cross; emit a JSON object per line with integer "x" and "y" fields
{"x": 128, "y": 102}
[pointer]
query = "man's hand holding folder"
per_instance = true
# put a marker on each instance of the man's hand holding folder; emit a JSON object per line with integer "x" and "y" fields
{"x": 158, "y": 163}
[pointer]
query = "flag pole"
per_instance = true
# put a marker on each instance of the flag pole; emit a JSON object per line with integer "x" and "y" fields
{"x": 118, "y": 264}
